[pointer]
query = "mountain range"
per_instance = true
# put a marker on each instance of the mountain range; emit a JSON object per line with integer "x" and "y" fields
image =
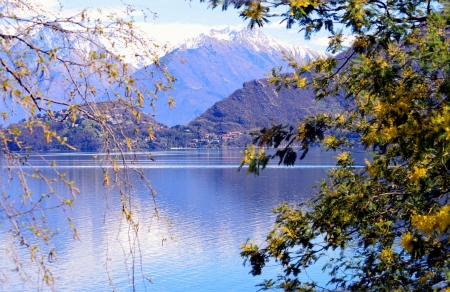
{"x": 212, "y": 66}
{"x": 208, "y": 68}
{"x": 213, "y": 94}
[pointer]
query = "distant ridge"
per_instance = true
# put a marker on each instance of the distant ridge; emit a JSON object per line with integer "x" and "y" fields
{"x": 257, "y": 104}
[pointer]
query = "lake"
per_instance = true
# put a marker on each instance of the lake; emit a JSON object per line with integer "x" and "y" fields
{"x": 207, "y": 208}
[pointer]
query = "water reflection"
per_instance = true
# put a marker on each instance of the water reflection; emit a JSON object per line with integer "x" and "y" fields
{"x": 212, "y": 209}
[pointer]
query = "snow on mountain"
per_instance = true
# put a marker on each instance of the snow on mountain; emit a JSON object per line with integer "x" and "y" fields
{"x": 215, "y": 64}
{"x": 255, "y": 38}
{"x": 55, "y": 80}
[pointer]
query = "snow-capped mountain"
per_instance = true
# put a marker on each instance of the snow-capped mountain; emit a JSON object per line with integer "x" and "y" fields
{"x": 55, "y": 80}
{"x": 255, "y": 38}
{"x": 208, "y": 68}
{"x": 211, "y": 66}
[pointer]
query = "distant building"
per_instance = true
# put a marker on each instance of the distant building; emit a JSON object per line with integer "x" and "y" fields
{"x": 229, "y": 135}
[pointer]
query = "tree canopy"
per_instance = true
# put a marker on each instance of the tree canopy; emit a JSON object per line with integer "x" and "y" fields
{"x": 51, "y": 62}
{"x": 388, "y": 220}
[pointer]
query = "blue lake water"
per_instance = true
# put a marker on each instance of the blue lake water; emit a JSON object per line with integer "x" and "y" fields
{"x": 207, "y": 208}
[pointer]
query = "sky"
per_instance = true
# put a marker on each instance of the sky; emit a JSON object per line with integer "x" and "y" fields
{"x": 180, "y": 19}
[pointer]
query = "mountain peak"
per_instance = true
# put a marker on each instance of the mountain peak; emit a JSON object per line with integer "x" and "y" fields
{"x": 233, "y": 33}
{"x": 224, "y": 35}
{"x": 255, "y": 39}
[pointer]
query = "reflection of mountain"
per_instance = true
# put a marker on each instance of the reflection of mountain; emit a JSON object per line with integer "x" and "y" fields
{"x": 212, "y": 211}
{"x": 216, "y": 64}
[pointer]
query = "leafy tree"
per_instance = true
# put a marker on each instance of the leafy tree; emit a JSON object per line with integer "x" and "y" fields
{"x": 51, "y": 61}
{"x": 388, "y": 220}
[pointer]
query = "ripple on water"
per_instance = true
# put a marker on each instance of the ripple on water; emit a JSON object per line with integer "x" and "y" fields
{"x": 212, "y": 209}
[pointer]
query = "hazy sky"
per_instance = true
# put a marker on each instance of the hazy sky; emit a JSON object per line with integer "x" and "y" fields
{"x": 180, "y": 19}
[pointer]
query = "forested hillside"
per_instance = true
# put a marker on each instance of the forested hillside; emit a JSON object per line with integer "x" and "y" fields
{"x": 82, "y": 133}
{"x": 258, "y": 104}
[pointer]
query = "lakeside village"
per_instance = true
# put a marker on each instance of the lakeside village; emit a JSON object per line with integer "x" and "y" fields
{"x": 211, "y": 140}
{"x": 86, "y": 135}
{"x": 207, "y": 140}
